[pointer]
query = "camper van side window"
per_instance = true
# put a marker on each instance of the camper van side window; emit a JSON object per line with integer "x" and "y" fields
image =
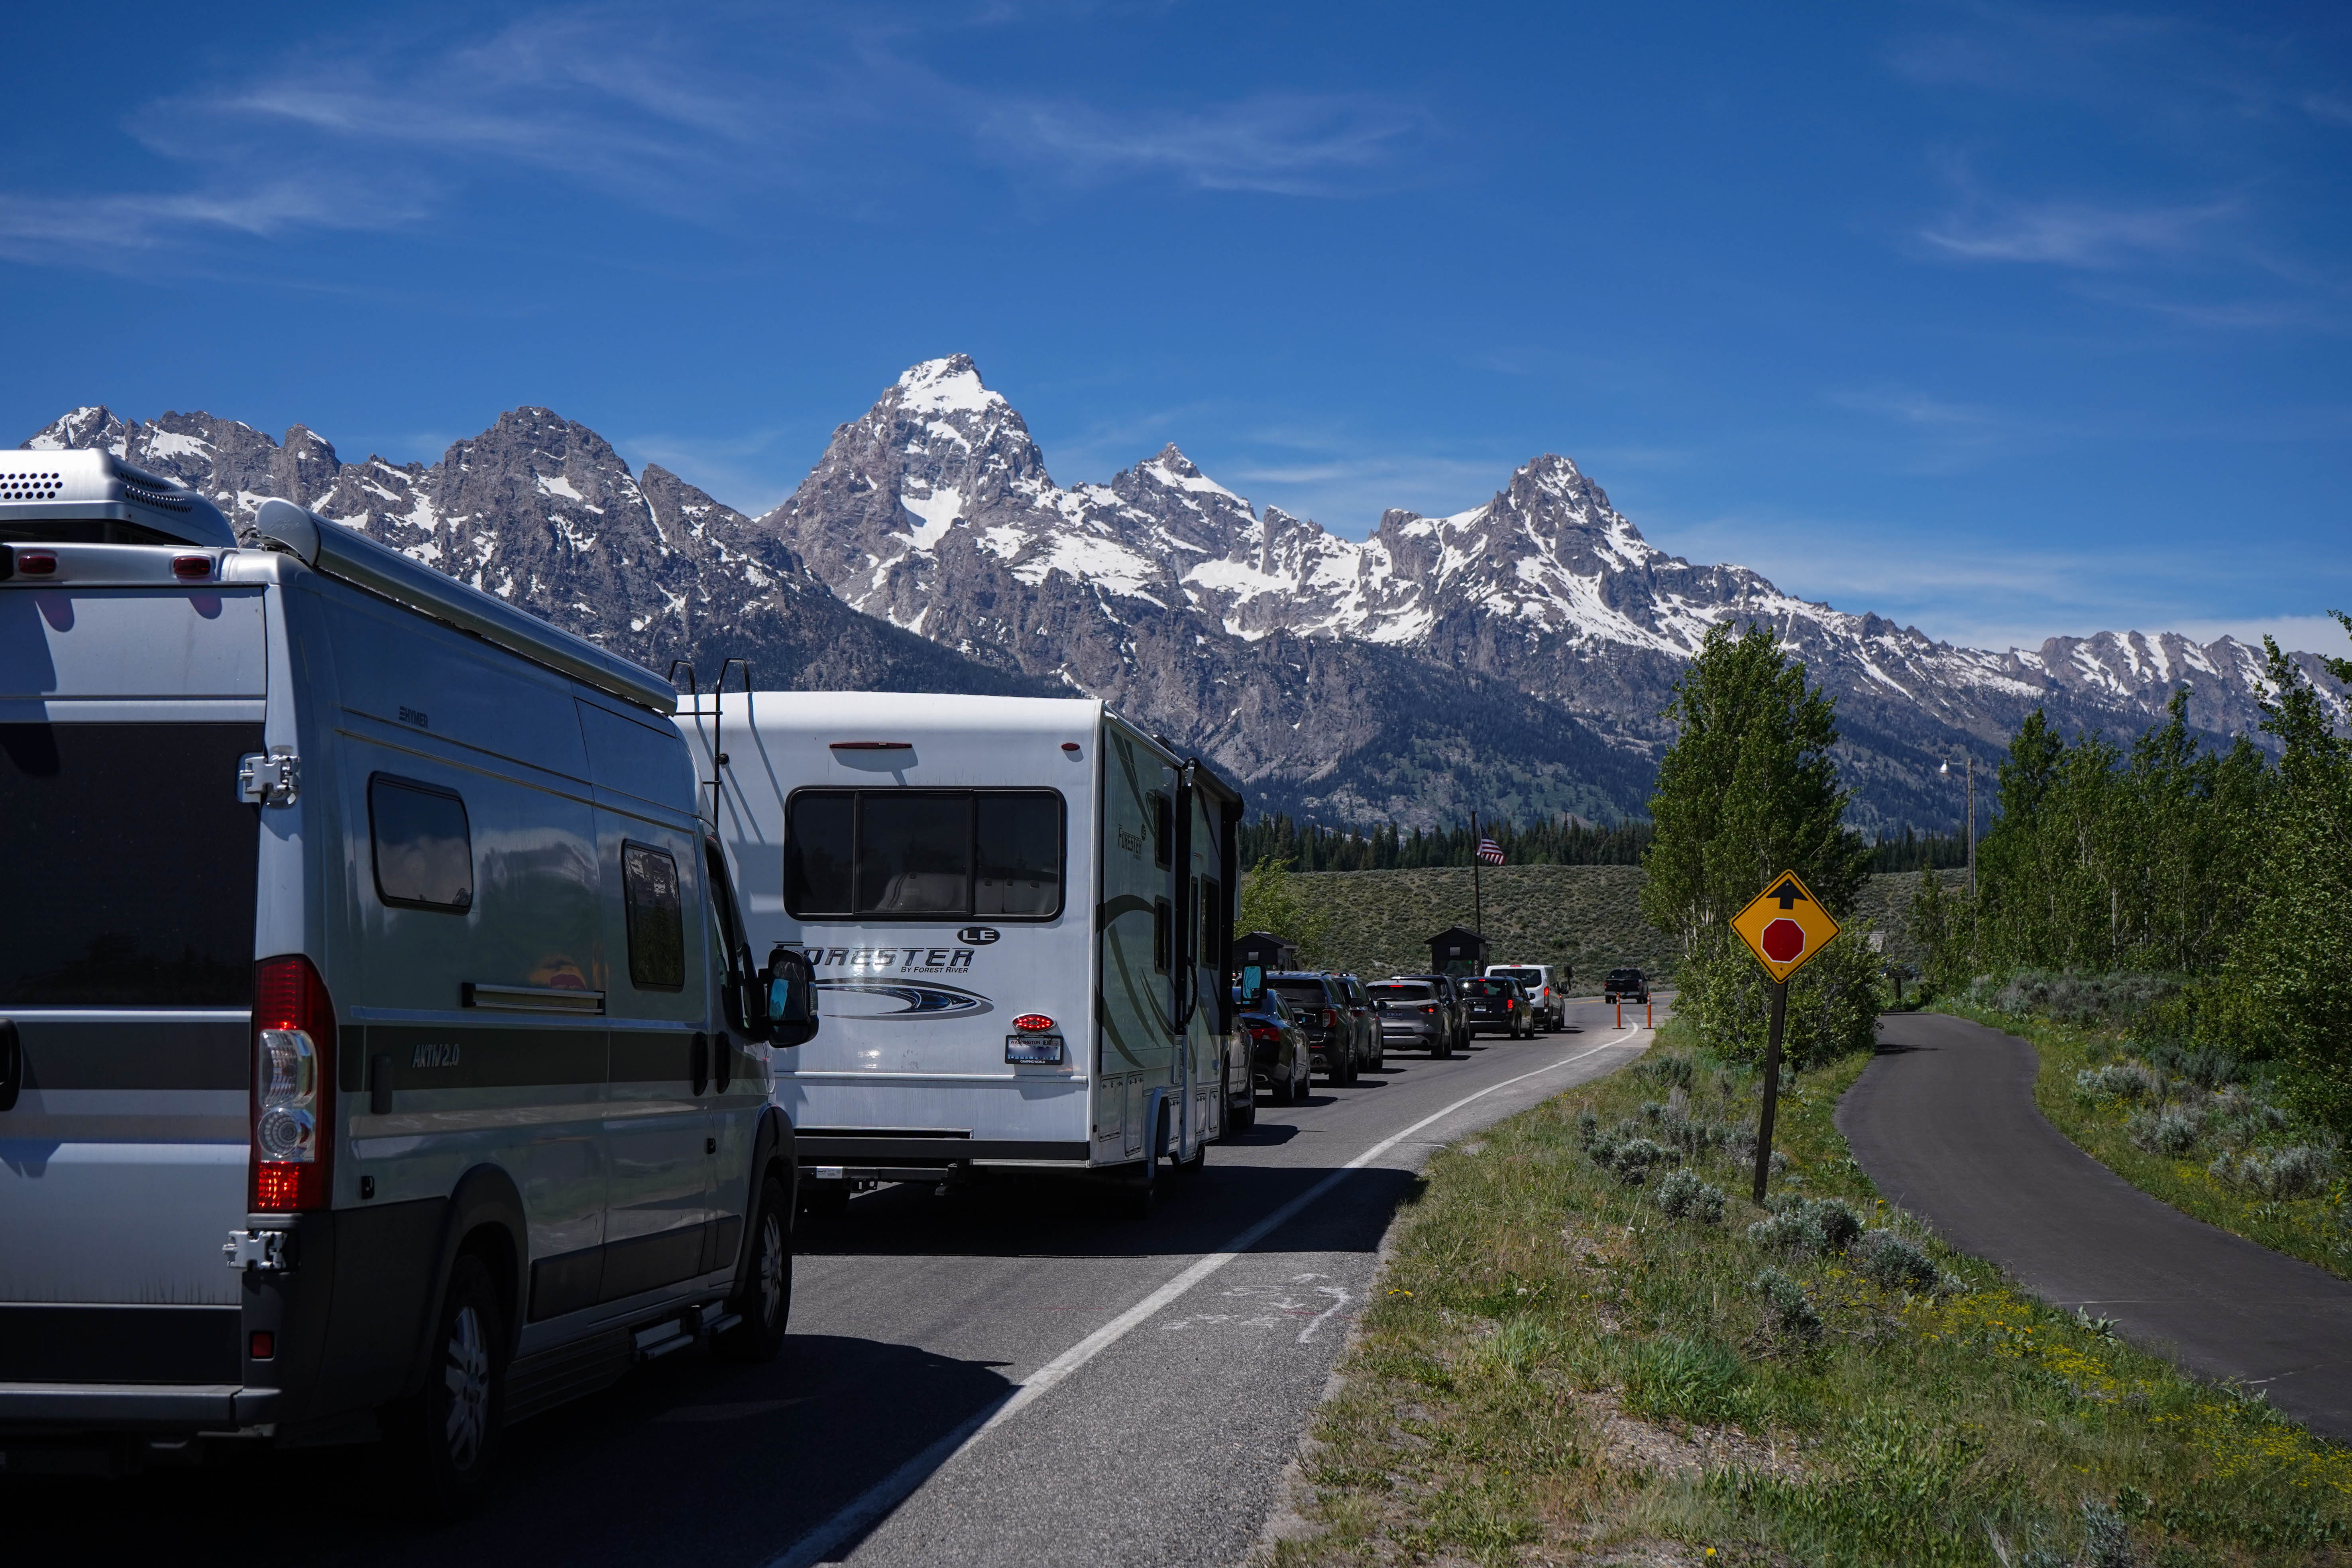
{"x": 1163, "y": 829}
{"x": 657, "y": 918}
{"x": 424, "y": 847}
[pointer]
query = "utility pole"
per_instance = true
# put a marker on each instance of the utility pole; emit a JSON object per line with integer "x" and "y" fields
{"x": 1972, "y": 829}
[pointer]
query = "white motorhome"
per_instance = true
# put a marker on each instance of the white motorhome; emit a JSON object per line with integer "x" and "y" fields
{"x": 1020, "y": 913}
{"x": 379, "y": 1054}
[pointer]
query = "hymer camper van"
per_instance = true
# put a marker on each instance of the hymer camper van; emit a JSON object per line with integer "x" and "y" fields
{"x": 380, "y": 1051}
{"x": 1020, "y": 913}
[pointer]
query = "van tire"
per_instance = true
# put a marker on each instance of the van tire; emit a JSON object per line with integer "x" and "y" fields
{"x": 766, "y": 1302}
{"x": 449, "y": 1432}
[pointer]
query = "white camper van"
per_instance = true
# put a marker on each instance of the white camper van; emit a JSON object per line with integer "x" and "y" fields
{"x": 1020, "y": 914}
{"x": 379, "y": 1054}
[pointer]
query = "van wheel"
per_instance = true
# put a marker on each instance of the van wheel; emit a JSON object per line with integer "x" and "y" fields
{"x": 452, "y": 1427}
{"x": 766, "y": 1301}
{"x": 1142, "y": 1194}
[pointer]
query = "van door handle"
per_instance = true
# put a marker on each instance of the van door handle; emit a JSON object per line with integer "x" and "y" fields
{"x": 12, "y": 1064}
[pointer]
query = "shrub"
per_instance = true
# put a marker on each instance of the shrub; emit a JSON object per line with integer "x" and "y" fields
{"x": 2285, "y": 1173}
{"x": 1895, "y": 1262}
{"x": 1788, "y": 1309}
{"x": 2173, "y": 1130}
{"x": 1676, "y": 1070}
{"x": 2120, "y": 1080}
{"x": 1682, "y": 1195}
{"x": 1819, "y": 1226}
{"x": 2072, "y": 997}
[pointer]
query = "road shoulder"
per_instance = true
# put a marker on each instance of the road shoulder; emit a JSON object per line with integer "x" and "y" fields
{"x": 1554, "y": 1362}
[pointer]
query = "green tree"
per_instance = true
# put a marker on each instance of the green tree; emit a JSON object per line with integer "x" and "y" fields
{"x": 1937, "y": 925}
{"x": 1748, "y": 790}
{"x": 2288, "y": 972}
{"x": 1272, "y": 902}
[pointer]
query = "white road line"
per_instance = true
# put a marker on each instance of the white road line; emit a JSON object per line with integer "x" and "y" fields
{"x": 894, "y": 1488}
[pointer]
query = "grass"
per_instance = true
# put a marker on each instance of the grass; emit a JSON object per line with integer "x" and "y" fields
{"x": 1587, "y": 917}
{"x": 2316, "y": 1227}
{"x": 1555, "y": 1369}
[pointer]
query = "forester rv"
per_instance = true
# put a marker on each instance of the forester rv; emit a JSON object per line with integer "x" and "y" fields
{"x": 380, "y": 1053}
{"x": 1020, "y": 914}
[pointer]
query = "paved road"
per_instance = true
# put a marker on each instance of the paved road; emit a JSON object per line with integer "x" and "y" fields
{"x": 1944, "y": 1123}
{"x": 1008, "y": 1374}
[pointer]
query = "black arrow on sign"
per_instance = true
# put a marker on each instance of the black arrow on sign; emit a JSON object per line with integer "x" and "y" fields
{"x": 1789, "y": 894}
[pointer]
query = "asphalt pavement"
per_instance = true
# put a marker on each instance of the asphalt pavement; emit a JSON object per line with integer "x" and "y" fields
{"x": 1007, "y": 1374}
{"x": 1944, "y": 1123}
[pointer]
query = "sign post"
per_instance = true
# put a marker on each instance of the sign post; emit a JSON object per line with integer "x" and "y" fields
{"x": 1784, "y": 926}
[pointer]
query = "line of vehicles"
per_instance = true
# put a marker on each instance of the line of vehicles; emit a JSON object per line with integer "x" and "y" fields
{"x": 413, "y": 1017}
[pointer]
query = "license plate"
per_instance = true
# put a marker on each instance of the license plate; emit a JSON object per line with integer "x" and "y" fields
{"x": 1046, "y": 1049}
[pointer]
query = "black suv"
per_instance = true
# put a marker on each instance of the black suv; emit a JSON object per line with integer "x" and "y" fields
{"x": 1497, "y": 1005}
{"x": 1326, "y": 1016}
{"x": 1626, "y": 985}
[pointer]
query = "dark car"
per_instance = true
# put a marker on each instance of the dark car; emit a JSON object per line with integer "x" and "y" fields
{"x": 1280, "y": 1062}
{"x": 1371, "y": 1045}
{"x": 1496, "y": 1006}
{"x": 1415, "y": 1017}
{"x": 1325, "y": 1016}
{"x": 1449, "y": 988}
{"x": 1626, "y": 985}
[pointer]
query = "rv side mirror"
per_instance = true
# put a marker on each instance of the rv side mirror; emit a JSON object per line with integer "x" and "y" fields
{"x": 1253, "y": 983}
{"x": 790, "y": 995}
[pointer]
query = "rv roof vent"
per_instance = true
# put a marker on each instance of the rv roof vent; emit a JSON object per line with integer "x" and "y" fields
{"x": 29, "y": 487}
{"x": 93, "y": 497}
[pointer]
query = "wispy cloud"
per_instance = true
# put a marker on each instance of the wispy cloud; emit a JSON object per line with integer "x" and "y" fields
{"x": 1281, "y": 143}
{"x": 2078, "y": 234}
{"x": 695, "y": 121}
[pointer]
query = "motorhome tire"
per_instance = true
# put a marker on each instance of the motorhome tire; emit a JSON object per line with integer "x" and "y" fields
{"x": 765, "y": 1303}
{"x": 450, "y": 1430}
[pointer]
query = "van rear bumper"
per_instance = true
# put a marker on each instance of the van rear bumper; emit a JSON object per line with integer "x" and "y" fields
{"x": 135, "y": 1406}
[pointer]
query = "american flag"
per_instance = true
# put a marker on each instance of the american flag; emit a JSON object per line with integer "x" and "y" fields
{"x": 1490, "y": 852}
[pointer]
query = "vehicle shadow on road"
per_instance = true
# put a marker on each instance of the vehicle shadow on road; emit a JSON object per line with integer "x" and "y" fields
{"x": 1012, "y": 1216}
{"x": 687, "y": 1461}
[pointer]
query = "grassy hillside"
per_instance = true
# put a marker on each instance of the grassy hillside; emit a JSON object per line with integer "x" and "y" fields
{"x": 1587, "y": 917}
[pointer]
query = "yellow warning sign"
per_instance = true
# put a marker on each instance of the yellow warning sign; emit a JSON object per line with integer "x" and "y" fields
{"x": 1785, "y": 926}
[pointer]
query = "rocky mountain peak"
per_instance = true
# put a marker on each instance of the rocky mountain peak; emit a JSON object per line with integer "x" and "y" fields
{"x": 92, "y": 428}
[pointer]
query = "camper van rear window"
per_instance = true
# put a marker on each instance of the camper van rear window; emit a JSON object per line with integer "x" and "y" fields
{"x": 423, "y": 849}
{"x": 924, "y": 855}
{"x": 657, "y": 918}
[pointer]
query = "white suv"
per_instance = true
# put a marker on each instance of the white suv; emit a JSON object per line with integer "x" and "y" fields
{"x": 1543, "y": 988}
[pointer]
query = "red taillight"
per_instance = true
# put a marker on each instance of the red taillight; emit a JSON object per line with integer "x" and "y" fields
{"x": 263, "y": 1346}
{"x": 1264, "y": 1032}
{"x": 188, "y": 568}
{"x": 1330, "y": 1019}
{"x": 36, "y": 563}
{"x": 1033, "y": 1024}
{"x": 293, "y": 1097}
{"x": 1430, "y": 1010}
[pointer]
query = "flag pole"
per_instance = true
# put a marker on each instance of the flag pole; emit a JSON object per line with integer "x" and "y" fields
{"x": 1477, "y": 892}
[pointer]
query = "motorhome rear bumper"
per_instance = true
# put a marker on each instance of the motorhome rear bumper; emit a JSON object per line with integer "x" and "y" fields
{"x": 911, "y": 1159}
{"x": 141, "y": 1406}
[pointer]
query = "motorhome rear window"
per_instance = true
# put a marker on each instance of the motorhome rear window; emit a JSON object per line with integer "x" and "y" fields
{"x": 132, "y": 864}
{"x": 657, "y": 918}
{"x": 424, "y": 846}
{"x": 924, "y": 855}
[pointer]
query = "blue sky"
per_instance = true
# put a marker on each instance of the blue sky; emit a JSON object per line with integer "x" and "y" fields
{"x": 2008, "y": 322}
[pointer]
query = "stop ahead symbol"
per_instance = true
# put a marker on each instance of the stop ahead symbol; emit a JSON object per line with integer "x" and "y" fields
{"x": 1783, "y": 941}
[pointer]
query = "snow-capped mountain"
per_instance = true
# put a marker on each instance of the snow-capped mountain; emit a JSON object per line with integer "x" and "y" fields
{"x": 545, "y": 514}
{"x": 935, "y": 511}
{"x": 1513, "y": 659}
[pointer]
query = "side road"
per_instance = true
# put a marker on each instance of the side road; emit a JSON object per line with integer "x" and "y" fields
{"x": 1945, "y": 1124}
